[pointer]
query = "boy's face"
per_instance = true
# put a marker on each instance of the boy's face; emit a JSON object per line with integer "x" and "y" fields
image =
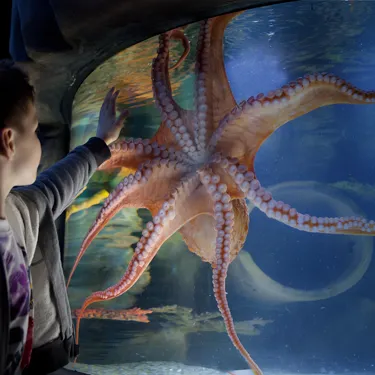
{"x": 27, "y": 148}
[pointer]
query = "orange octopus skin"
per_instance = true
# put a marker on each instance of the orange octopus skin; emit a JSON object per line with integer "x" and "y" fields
{"x": 197, "y": 171}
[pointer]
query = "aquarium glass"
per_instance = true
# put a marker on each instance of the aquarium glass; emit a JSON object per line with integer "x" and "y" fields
{"x": 302, "y": 302}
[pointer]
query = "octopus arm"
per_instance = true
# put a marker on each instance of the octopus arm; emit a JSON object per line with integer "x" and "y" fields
{"x": 187, "y": 201}
{"x": 130, "y": 154}
{"x": 173, "y": 116}
{"x": 213, "y": 95}
{"x": 225, "y": 225}
{"x": 147, "y": 188}
{"x": 283, "y": 212}
{"x": 179, "y": 35}
{"x": 222, "y": 97}
{"x": 245, "y": 128}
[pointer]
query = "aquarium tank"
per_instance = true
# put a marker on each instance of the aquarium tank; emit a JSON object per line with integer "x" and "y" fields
{"x": 231, "y": 231}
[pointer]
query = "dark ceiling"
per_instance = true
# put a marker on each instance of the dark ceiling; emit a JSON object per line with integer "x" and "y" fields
{"x": 61, "y": 41}
{"x": 5, "y": 12}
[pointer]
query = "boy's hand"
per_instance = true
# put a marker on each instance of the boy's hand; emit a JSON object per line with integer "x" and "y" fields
{"x": 109, "y": 126}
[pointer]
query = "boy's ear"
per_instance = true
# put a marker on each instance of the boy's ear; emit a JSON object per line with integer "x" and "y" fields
{"x": 7, "y": 142}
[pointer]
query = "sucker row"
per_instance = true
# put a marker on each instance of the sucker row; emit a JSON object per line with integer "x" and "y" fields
{"x": 283, "y": 212}
{"x": 201, "y": 85}
{"x": 282, "y": 96}
{"x": 170, "y": 111}
{"x": 224, "y": 218}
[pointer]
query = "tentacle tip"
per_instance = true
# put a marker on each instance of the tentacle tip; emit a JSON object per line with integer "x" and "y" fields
{"x": 68, "y": 282}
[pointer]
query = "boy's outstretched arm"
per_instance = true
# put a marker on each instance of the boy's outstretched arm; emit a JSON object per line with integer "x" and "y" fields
{"x": 31, "y": 211}
{"x": 57, "y": 187}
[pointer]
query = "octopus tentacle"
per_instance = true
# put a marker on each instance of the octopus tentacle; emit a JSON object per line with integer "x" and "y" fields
{"x": 224, "y": 216}
{"x": 203, "y": 89}
{"x": 173, "y": 115}
{"x": 189, "y": 200}
{"x": 131, "y": 153}
{"x": 246, "y": 127}
{"x": 280, "y": 211}
{"x": 179, "y": 34}
{"x": 213, "y": 95}
{"x": 145, "y": 189}
{"x": 222, "y": 100}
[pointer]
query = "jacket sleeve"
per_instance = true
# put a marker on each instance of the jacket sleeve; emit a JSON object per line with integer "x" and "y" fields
{"x": 56, "y": 188}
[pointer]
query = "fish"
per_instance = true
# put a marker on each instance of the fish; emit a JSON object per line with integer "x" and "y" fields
{"x": 135, "y": 314}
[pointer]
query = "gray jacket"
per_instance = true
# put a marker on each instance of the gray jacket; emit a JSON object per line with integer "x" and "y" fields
{"x": 31, "y": 212}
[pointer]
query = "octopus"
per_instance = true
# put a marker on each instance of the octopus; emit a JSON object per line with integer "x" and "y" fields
{"x": 197, "y": 172}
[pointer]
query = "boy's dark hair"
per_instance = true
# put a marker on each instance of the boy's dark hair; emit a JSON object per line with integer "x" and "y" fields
{"x": 15, "y": 91}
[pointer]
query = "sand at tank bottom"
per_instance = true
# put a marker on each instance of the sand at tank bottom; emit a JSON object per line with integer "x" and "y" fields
{"x": 143, "y": 368}
{"x": 172, "y": 368}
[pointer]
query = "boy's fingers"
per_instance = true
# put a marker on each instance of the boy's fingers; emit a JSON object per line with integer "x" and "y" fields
{"x": 116, "y": 95}
{"x": 123, "y": 115}
{"x": 110, "y": 92}
{"x": 108, "y": 96}
{"x": 114, "y": 98}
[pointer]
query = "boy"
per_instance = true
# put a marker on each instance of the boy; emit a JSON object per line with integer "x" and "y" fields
{"x": 40, "y": 330}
